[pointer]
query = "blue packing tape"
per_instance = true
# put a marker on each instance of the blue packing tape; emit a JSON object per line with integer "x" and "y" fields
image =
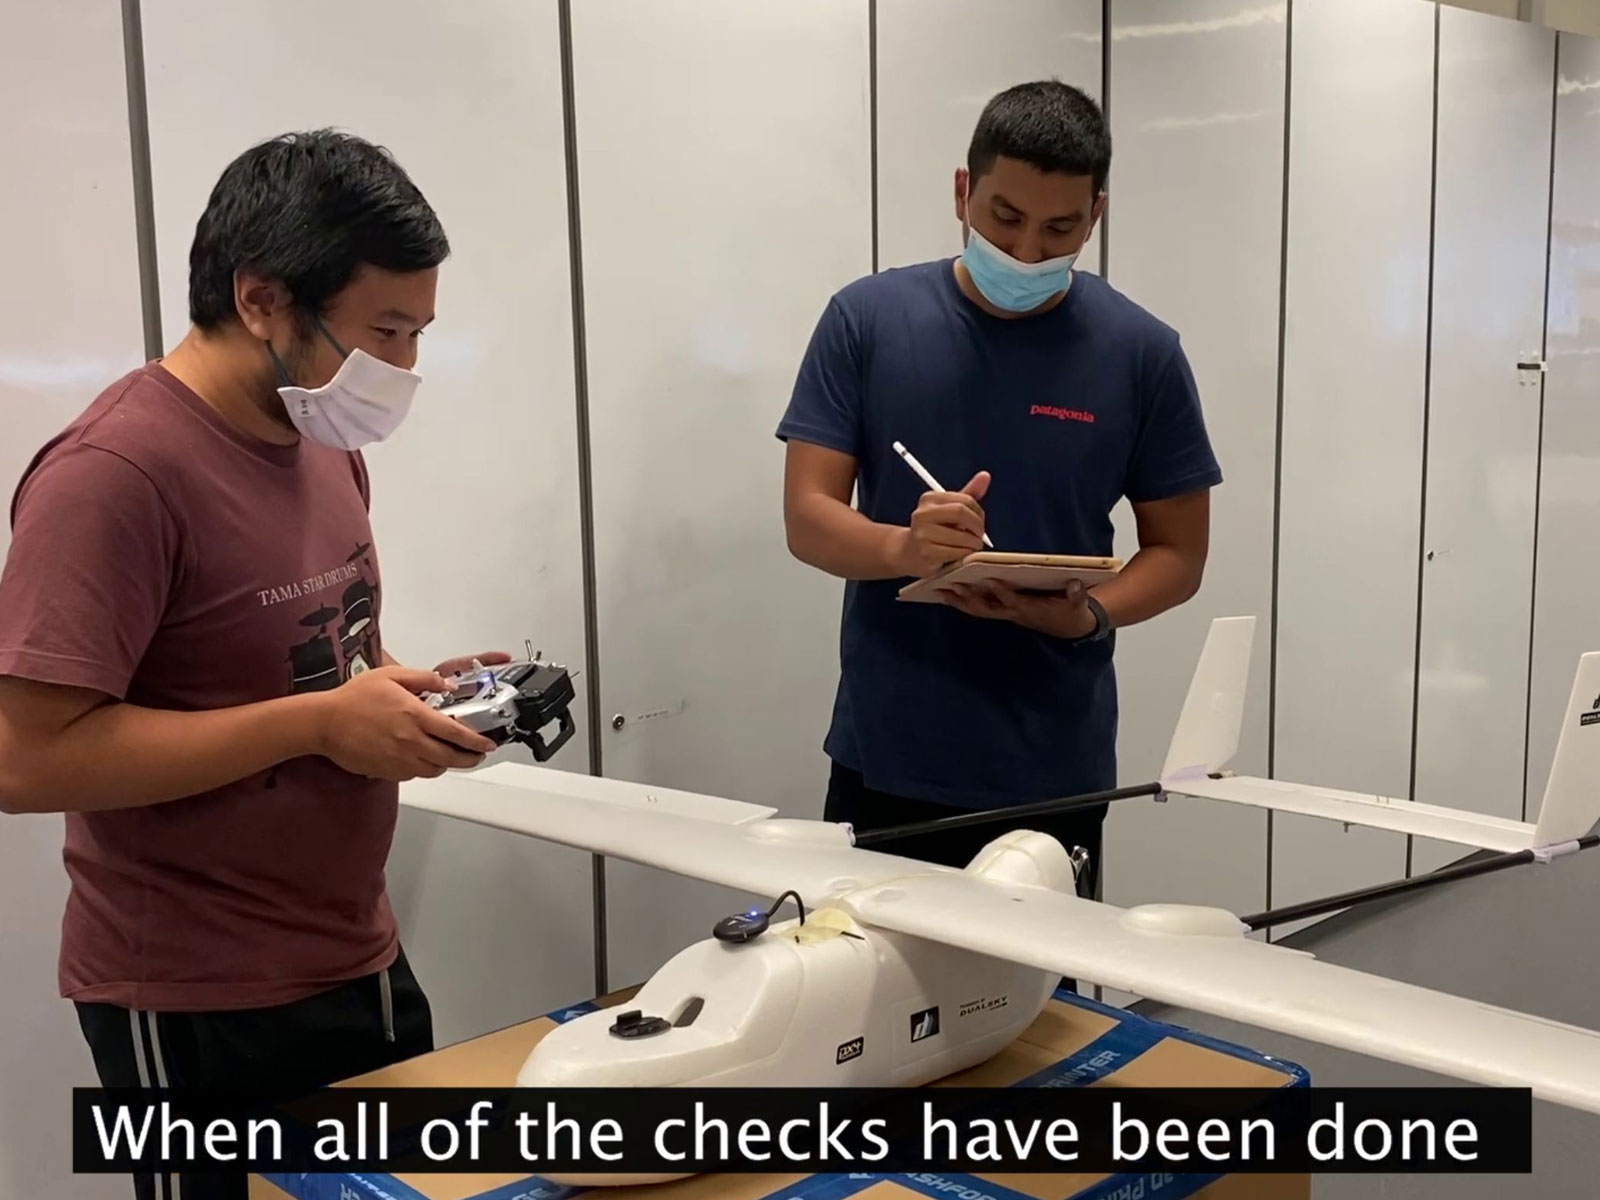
{"x": 826, "y": 1187}
{"x": 573, "y": 1012}
{"x": 530, "y": 1189}
{"x": 344, "y": 1187}
{"x": 1155, "y": 1186}
{"x": 937, "y": 1187}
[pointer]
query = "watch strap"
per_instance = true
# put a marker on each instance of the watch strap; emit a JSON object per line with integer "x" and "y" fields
{"x": 1102, "y": 622}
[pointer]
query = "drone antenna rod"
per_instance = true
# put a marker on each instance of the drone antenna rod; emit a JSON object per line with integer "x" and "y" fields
{"x": 1465, "y": 870}
{"x": 1013, "y": 812}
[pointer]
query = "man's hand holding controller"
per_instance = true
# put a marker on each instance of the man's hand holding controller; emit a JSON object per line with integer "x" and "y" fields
{"x": 378, "y": 725}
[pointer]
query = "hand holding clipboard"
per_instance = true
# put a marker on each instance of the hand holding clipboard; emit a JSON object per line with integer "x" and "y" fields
{"x": 946, "y": 522}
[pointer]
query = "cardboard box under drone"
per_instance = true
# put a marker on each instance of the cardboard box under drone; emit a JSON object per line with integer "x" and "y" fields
{"x": 1074, "y": 1042}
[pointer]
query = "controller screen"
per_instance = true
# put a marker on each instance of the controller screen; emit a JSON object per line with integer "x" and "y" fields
{"x": 468, "y": 687}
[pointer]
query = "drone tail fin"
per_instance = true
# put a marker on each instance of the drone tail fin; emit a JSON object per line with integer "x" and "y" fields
{"x": 1207, "y": 734}
{"x": 1571, "y": 804}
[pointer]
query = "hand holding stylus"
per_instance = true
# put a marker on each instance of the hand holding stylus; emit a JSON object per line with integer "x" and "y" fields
{"x": 946, "y": 526}
{"x": 936, "y": 488}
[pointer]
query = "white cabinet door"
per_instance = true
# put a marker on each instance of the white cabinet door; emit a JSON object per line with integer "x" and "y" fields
{"x": 1496, "y": 79}
{"x": 725, "y": 170}
{"x": 1196, "y": 195}
{"x": 1355, "y": 362}
{"x": 1569, "y": 495}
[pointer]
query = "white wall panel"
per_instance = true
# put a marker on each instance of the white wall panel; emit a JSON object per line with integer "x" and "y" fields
{"x": 468, "y": 98}
{"x": 1197, "y": 111}
{"x": 1493, "y": 197}
{"x": 1361, "y": 124}
{"x": 939, "y": 63}
{"x": 725, "y": 174}
{"x": 1569, "y": 501}
{"x": 71, "y": 328}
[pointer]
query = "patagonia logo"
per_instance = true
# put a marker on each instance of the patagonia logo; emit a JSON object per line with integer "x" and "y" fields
{"x": 1062, "y": 414}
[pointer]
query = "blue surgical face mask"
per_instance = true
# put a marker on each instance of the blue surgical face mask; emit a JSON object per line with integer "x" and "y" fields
{"x": 1014, "y": 286}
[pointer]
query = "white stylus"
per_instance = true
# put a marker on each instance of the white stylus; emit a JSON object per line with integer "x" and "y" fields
{"x": 933, "y": 484}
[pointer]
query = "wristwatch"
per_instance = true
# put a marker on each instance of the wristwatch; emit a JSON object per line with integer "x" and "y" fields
{"x": 1102, "y": 624}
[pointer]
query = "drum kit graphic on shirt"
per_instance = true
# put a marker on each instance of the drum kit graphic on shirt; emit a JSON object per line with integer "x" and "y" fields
{"x": 324, "y": 660}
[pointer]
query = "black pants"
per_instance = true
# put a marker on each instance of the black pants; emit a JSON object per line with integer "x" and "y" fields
{"x": 850, "y": 800}
{"x": 275, "y": 1053}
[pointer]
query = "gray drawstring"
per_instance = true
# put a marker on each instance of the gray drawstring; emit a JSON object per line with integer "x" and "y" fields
{"x": 388, "y": 1005}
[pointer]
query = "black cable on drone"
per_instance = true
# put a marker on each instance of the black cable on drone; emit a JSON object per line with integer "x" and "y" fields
{"x": 798, "y": 903}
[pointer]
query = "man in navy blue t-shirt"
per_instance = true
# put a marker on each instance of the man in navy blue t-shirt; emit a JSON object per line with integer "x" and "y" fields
{"x": 1046, "y": 396}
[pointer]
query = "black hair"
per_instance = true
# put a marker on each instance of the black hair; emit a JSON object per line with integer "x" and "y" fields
{"x": 308, "y": 209}
{"x": 1049, "y": 125}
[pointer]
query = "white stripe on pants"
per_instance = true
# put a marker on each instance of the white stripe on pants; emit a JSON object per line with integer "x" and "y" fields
{"x": 168, "y": 1187}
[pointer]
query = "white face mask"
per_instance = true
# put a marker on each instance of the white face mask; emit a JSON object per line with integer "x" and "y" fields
{"x": 364, "y": 402}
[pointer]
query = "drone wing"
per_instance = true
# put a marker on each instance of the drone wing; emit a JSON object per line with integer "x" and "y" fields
{"x": 738, "y": 845}
{"x": 1193, "y": 957}
{"x": 1353, "y": 808}
{"x": 1207, "y": 738}
{"x": 1189, "y": 957}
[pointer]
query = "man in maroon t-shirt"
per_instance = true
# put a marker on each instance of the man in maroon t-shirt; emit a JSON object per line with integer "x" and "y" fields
{"x": 191, "y": 667}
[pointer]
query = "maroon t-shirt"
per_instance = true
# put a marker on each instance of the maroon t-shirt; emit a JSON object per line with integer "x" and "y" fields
{"x": 165, "y": 558}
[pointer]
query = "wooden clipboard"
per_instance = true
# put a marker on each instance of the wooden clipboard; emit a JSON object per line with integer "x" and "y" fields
{"x": 1029, "y": 572}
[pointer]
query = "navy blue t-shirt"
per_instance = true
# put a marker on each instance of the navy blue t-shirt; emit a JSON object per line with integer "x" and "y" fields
{"x": 1069, "y": 411}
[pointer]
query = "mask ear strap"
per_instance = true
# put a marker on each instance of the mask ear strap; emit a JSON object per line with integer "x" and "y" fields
{"x": 332, "y": 341}
{"x": 284, "y": 378}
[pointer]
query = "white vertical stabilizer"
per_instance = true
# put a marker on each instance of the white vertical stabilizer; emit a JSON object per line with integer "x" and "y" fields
{"x": 1572, "y": 796}
{"x": 1207, "y": 734}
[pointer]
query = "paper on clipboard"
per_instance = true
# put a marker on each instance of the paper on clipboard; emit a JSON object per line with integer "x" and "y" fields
{"x": 1030, "y": 572}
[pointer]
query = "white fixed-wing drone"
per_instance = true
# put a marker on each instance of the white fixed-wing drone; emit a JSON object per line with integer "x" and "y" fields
{"x": 899, "y": 972}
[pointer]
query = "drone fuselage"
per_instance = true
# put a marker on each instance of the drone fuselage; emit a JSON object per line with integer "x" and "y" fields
{"x": 826, "y": 1002}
